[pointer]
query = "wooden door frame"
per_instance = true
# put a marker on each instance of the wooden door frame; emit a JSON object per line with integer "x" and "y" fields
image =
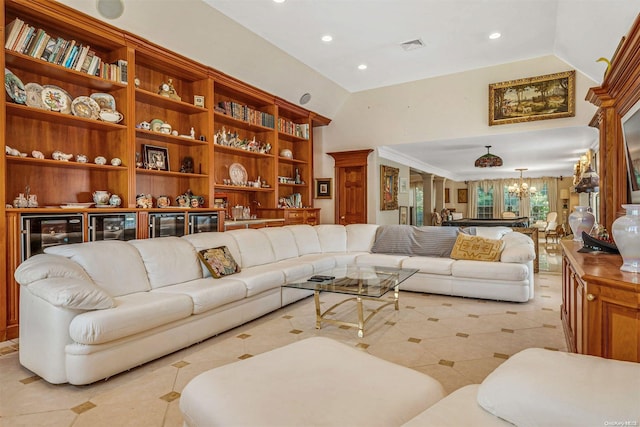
{"x": 349, "y": 159}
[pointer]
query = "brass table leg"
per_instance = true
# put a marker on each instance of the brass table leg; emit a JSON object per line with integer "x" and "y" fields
{"x": 360, "y": 317}
{"x": 316, "y": 298}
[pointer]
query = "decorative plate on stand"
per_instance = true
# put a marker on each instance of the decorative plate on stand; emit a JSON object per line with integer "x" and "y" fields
{"x": 86, "y": 107}
{"x": 55, "y": 98}
{"x": 34, "y": 96}
{"x": 14, "y": 87}
{"x": 238, "y": 174}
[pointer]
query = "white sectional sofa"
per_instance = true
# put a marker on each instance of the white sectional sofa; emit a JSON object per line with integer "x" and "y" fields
{"x": 91, "y": 310}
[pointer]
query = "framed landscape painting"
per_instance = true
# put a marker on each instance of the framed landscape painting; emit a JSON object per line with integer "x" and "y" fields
{"x": 536, "y": 98}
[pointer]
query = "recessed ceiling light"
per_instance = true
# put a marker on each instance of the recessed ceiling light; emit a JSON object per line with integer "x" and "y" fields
{"x": 362, "y": 67}
{"x": 279, "y": 1}
{"x": 327, "y": 38}
{"x": 494, "y": 36}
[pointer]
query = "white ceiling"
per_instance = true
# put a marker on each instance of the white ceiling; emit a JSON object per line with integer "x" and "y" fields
{"x": 455, "y": 34}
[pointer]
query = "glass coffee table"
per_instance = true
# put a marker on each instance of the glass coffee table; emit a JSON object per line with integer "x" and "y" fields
{"x": 362, "y": 282}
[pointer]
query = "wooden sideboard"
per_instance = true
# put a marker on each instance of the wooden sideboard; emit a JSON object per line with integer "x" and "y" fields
{"x": 600, "y": 304}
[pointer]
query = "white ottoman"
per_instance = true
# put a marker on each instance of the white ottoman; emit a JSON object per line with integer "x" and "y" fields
{"x": 313, "y": 382}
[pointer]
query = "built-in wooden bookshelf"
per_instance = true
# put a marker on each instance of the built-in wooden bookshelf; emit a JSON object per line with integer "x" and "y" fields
{"x": 266, "y": 121}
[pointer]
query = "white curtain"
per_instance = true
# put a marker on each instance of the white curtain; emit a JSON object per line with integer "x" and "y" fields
{"x": 472, "y": 199}
{"x": 498, "y": 197}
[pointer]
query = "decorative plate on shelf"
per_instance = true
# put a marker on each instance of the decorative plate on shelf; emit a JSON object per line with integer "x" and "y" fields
{"x": 14, "y": 87}
{"x": 155, "y": 125}
{"x": 55, "y": 98}
{"x": 34, "y": 95}
{"x": 104, "y": 100}
{"x": 84, "y": 106}
{"x": 238, "y": 174}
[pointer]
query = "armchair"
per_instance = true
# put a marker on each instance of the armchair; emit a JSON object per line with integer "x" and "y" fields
{"x": 548, "y": 227}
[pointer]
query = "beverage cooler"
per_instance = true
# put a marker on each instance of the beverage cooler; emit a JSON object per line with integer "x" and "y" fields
{"x": 203, "y": 221}
{"x": 41, "y": 231}
{"x": 166, "y": 224}
{"x": 114, "y": 226}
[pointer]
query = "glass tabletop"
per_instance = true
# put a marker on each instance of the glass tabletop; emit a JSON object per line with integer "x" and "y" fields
{"x": 369, "y": 281}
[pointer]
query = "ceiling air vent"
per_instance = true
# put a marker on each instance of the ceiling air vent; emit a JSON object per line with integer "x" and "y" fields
{"x": 412, "y": 44}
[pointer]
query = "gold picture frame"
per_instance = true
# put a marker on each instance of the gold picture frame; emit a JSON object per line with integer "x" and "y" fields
{"x": 462, "y": 195}
{"x": 323, "y": 188}
{"x": 388, "y": 188}
{"x": 551, "y": 96}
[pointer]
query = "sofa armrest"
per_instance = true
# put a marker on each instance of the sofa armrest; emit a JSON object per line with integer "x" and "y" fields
{"x": 518, "y": 248}
{"x": 71, "y": 293}
{"x": 44, "y": 266}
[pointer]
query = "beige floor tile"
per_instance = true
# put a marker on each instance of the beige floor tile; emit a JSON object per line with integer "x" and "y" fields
{"x": 43, "y": 419}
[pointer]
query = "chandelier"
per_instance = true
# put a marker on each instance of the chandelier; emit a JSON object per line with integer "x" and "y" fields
{"x": 521, "y": 189}
{"x": 488, "y": 160}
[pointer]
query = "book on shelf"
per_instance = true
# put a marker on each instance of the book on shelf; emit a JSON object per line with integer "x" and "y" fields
{"x": 28, "y": 41}
{"x": 81, "y": 57}
{"x": 48, "y": 49}
{"x": 20, "y": 41}
{"x": 123, "y": 75}
{"x": 87, "y": 61}
{"x": 11, "y": 31}
{"x": 41, "y": 46}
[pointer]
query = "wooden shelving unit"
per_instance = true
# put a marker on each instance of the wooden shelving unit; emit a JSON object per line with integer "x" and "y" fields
{"x": 27, "y": 128}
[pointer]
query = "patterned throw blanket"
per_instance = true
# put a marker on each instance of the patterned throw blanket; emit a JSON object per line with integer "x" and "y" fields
{"x": 415, "y": 241}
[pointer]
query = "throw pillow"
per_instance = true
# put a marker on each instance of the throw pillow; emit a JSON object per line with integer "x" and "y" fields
{"x": 430, "y": 241}
{"x": 219, "y": 261}
{"x": 476, "y": 248}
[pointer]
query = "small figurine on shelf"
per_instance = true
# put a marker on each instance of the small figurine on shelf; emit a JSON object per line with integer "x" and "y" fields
{"x": 144, "y": 201}
{"x": 187, "y": 165}
{"x": 59, "y": 155}
{"x": 139, "y": 163}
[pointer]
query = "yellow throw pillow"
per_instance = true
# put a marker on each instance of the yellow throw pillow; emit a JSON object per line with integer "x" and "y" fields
{"x": 219, "y": 261}
{"x": 476, "y": 248}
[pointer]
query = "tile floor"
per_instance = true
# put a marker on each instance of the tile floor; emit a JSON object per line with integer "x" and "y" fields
{"x": 456, "y": 340}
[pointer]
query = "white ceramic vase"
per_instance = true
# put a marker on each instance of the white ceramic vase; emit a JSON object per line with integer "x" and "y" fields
{"x": 626, "y": 234}
{"x": 581, "y": 220}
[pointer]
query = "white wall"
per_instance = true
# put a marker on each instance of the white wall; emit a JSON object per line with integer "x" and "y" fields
{"x": 199, "y": 32}
{"x": 452, "y": 106}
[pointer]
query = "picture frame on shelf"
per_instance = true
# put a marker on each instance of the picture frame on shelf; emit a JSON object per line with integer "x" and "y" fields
{"x": 198, "y": 100}
{"x": 462, "y": 195}
{"x": 388, "y": 188}
{"x": 551, "y": 96}
{"x": 403, "y": 215}
{"x": 156, "y": 157}
{"x": 323, "y": 188}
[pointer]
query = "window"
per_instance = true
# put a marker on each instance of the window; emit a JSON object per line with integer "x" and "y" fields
{"x": 540, "y": 204}
{"x": 511, "y": 203}
{"x": 485, "y": 203}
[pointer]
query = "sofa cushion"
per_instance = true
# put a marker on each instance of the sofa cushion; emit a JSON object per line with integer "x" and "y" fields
{"x": 282, "y": 242}
{"x": 113, "y": 265}
{"x": 260, "y": 278}
{"x": 168, "y": 260}
{"x": 476, "y": 248}
{"x": 409, "y": 240}
{"x": 382, "y": 260}
{"x": 360, "y": 237}
{"x": 430, "y": 265}
{"x": 208, "y": 293}
{"x": 214, "y": 239}
{"x": 537, "y": 387}
{"x": 518, "y": 248}
{"x": 490, "y": 270}
{"x": 44, "y": 266}
{"x": 219, "y": 261}
{"x": 492, "y": 232}
{"x": 72, "y": 293}
{"x": 320, "y": 262}
{"x": 132, "y": 314}
{"x": 333, "y": 237}
{"x": 255, "y": 247}
{"x": 306, "y": 239}
{"x": 294, "y": 270}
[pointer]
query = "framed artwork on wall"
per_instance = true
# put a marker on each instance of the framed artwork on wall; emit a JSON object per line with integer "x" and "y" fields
{"x": 323, "y": 188}
{"x": 404, "y": 185}
{"x": 446, "y": 196}
{"x": 535, "y": 98}
{"x": 462, "y": 195}
{"x": 388, "y": 188}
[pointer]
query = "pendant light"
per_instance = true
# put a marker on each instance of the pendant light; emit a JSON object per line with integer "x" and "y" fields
{"x": 488, "y": 160}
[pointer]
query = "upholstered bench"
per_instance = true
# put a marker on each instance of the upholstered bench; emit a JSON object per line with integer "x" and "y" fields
{"x": 316, "y": 381}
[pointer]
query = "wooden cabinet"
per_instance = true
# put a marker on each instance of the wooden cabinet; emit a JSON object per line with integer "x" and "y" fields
{"x": 309, "y": 216}
{"x": 600, "y": 305}
{"x": 256, "y": 119}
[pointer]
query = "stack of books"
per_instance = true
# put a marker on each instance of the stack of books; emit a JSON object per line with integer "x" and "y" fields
{"x": 35, "y": 42}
